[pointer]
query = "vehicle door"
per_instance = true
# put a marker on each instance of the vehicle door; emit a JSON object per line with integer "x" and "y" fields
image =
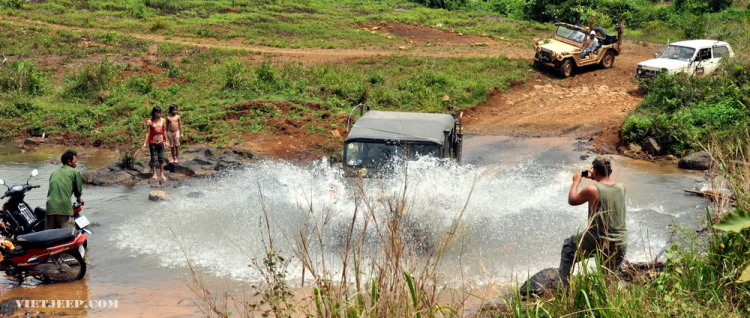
{"x": 718, "y": 52}
{"x": 703, "y": 63}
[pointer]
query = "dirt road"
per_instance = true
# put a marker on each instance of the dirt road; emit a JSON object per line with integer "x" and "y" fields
{"x": 594, "y": 102}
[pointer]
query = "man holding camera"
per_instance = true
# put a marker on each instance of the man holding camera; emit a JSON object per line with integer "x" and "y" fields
{"x": 606, "y": 233}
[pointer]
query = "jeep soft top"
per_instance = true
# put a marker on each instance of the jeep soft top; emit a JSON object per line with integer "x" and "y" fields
{"x": 380, "y": 136}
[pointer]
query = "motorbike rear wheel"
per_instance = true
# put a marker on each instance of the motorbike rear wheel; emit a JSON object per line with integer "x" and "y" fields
{"x": 77, "y": 266}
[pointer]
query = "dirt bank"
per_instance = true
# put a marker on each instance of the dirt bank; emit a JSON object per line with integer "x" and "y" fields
{"x": 592, "y": 103}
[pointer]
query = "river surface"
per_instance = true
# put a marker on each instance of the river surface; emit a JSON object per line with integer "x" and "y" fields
{"x": 514, "y": 225}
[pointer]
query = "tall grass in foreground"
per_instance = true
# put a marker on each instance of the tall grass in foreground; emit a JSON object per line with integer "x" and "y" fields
{"x": 379, "y": 267}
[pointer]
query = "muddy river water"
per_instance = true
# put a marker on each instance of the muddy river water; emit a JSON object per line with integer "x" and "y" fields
{"x": 515, "y": 221}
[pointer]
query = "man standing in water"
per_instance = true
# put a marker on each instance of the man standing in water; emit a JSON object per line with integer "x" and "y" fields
{"x": 63, "y": 183}
{"x": 606, "y": 232}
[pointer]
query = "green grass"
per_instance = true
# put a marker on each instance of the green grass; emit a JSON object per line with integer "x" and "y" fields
{"x": 279, "y": 23}
{"x": 99, "y": 103}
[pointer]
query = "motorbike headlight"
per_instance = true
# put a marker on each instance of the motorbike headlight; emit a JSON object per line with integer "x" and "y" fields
{"x": 17, "y": 188}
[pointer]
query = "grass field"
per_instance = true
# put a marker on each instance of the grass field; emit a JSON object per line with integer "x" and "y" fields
{"x": 277, "y": 23}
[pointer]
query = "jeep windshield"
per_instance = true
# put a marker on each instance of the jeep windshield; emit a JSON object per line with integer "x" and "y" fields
{"x": 377, "y": 154}
{"x": 681, "y": 53}
{"x": 570, "y": 34}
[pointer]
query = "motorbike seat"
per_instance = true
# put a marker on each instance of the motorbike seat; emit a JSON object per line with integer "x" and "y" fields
{"x": 45, "y": 238}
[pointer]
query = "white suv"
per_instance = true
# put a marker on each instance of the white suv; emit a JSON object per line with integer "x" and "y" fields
{"x": 695, "y": 57}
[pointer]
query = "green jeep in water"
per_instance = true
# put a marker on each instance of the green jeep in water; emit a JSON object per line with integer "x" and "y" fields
{"x": 380, "y": 137}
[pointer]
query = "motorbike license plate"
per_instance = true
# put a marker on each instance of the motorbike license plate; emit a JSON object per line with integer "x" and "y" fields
{"x": 81, "y": 250}
{"x": 82, "y": 221}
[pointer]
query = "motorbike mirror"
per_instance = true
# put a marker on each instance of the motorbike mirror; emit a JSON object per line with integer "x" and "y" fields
{"x": 2, "y": 182}
{"x": 33, "y": 174}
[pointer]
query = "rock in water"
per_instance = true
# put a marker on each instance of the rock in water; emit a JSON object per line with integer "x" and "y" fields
{"x": 652, "y": 146}
{"x": 698, "y": 161}
{"x": 159, "y": 195}
{"x": 545, "y": 281}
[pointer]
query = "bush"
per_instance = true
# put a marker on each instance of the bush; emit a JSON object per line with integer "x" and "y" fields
{"x": 21, "y": 77}
{"x": 13, "y": 4}
{"x": 90, "y": 80}
{"x": 683, "y": 112}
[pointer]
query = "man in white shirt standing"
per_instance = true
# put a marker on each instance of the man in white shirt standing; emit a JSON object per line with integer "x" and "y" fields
{"x": 593, "y": 44}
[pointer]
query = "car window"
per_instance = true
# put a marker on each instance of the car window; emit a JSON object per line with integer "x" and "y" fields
{"x": 703, "y": 54}
{"x": 675, "y": 52}
{"x": 570, "y": 34}
{"x": 720, "y": 51}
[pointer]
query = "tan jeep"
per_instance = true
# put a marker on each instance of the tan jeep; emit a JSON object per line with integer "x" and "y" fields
{"x": 563, "y": 52}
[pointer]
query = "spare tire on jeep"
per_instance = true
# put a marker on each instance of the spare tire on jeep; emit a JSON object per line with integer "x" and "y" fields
{"x": 608, "y": 39}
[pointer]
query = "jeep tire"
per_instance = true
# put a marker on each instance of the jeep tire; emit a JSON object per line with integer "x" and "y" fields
{"x": 566, "y": 68}
{"x": 608, "y": 60}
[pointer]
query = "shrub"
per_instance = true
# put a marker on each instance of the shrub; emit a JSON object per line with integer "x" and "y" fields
{"x": 683, "y": 112}
{"x": 90, "y": 80}
{"x": 21, "y": 77}
{"x": 13, "y": 4}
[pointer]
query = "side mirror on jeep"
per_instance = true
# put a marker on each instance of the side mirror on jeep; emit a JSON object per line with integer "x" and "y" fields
{"x": 656, "y": 55}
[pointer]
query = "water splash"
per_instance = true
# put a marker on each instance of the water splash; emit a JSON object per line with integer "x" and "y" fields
{"x": 515, "y": 221}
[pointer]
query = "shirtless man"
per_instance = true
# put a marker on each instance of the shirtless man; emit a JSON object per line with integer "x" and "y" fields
{"x": 174, "y": 130}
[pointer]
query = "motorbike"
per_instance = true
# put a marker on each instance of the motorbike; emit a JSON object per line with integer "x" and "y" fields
{"x": 17, "y": 214}
{"x": 50, "y": 255}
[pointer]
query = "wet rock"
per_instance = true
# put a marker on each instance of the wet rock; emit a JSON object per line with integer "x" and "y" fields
{"x": 209, "y": 152}
{"x": 189, "y": 169}
{"x": 105, "y": 177}
{"x": 228, "y": 163}
{"x": 112, "y": 178}
{"x": 543, "y": 282}
{"x": 196, "y": 195}
{"x": 205, "y": 161}
{"x": 9, "y": 306}
{"x": 32, "y": 142}
{"x": 698, "y": 161}
{"x": 206, "y": 151}
{"x": 159, "y": 195}
{"x": 652, "y": 146}
{"x": 246, "y": 154}
{"x": 634, "y": 148}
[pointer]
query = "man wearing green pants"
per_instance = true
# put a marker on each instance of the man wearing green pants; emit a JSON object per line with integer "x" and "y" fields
{"x": 63, "y": 183}
{"x": 606, "y": 232}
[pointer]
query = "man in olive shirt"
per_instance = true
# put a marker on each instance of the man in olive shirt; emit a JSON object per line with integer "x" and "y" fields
{"x": 63, "y": 183}
{"x": 607, "y": 231}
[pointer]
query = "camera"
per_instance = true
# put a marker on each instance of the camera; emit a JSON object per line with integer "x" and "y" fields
{"x": 585, "y": 173}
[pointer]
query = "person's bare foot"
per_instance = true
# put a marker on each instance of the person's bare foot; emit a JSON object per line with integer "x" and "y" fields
{"x": 154, "y": 177}
{"x": 176, "y": 161}
{"x": 163, "y": 177}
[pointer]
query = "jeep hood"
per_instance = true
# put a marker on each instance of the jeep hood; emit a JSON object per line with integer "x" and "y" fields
{"x": 559, "y": 47}
{"x": 658, "y": 64}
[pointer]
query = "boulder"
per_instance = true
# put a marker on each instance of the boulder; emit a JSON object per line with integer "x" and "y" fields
{"x": 110, "y": 178}
{"x": 652, "y": 146}
{"x": 9, "y": 306}
{"x": 189, "y": 169}
{"x": 196, "y": 195}
{"x": 159, "y": 195}
{"x": 698, "y": 161}
{"x": 228, "y": 163}
{"x": 543, "y": 282}
{"x": 205, "y": 161}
